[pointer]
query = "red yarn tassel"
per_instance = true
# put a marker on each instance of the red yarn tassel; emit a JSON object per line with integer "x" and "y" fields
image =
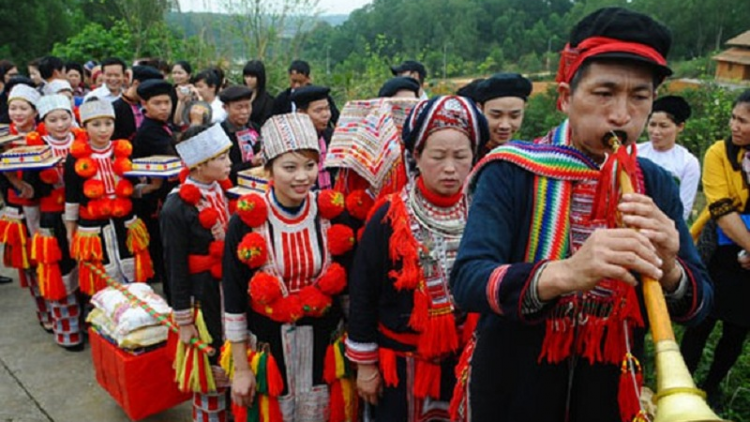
{"x": 239, "y": 412}
{"x": 439, "y": 336}
{"x": 459, "y": 398}
{"x": 387, "y": 358}
{"x": 329, "y": 365}
{"x": 22, "y": 280}
{"x": 137, "y": 242}
{"x": 274, "y": 410}
{"x": 403, "y": 247}
{"x": 420, "y": 312}
{"x": 627, "y": 394}
{"x": 273, "y": 375}
{"x": 426, "y": 379}
{"x": 337, "y": 404}
{"x": 46, "y": 251}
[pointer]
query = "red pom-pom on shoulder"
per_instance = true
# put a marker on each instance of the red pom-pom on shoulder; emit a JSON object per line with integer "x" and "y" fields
{"x": 184, "y": 173}
{"x": 93, "y": 189}
{"x": 340, "y": 239}
{"x": 264, "y": 288}
{"x": 85, "y": 167}
{"x": 121, "y": 207}
{"x": 359, "y": 203}
{"x": 252, "y": 250}
{"x": 80, "y": 135}
{"x": 226, "y": 184}
{"x": 124, "y": 189}
{"x": 252, "y": 209}
{"x": 314, "y": 302}
{"x": 190, "y": 193}
{"x": 208, "y": 217}
{"x": 101, "y": 208}
{"x": 330, "y": 203}
{"x": 291, "y": 309}
{"x": 49, "y": 176}
{"x": 42, "y": 129}
{"x": 122, "y": 148}
{"x": 232, "y": 206}
{"x": 333, "y": 281}
{"x": 122, "y": 165}
{"x": 80, "y": 149}
{"x": 34, "y": 139}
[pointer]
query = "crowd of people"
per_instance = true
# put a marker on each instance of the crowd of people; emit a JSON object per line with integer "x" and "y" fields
{"x": 473, "y": 277}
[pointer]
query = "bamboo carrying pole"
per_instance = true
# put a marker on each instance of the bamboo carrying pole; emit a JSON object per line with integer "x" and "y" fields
{"x": 160, "y": 318}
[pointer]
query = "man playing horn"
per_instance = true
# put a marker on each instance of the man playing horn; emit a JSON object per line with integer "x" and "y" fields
{"x": 542, "y": 257}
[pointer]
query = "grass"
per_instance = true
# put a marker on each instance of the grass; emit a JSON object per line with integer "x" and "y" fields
{"x": 736, "y": 385}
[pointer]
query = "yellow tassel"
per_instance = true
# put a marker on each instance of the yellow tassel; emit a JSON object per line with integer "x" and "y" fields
{"x": 265, "y": 410}
{"x": 254, "y": 363}
{"x": 137, "y": 242}
{"x": 226, "y": 360}
{"x": 340, "y": 363}
{"x": 87, "y": 247}
{"x": 205, "y": 337}
{"x": 188, "y": 362}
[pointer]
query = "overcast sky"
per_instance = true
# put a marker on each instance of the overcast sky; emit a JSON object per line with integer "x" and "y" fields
{"x": 327, "y": 7}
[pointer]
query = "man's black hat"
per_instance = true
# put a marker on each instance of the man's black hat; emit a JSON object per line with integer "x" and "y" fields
{"x": 410, "y": 66}
{"x": 470, "y": 90}
{"x": 399, "y": 83}
{"x": 145, "y": 73}
{"x": 629, "y": 26}
{"x": 153, "y": 87}
{"x": 503, "y": 85}
{"x": 675, "y": 106}
{"x": 302, "y": 97}
{"x": 235, "y": 93}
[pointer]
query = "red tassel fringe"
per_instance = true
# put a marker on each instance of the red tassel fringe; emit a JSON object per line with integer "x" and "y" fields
{"x": 387, "y": 359}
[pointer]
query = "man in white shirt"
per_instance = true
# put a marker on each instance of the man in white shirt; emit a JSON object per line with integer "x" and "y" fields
{"x": 114, "y": 71}
{"x": 667, "y": 120}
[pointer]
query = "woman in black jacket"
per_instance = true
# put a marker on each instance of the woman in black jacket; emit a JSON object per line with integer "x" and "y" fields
{"x": 254, "y": 77}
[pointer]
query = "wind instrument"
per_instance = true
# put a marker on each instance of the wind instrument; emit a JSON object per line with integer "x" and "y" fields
{"x": 677, "y": 398}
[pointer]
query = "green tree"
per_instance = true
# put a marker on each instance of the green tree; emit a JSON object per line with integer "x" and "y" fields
{"x": 29, "y": 29}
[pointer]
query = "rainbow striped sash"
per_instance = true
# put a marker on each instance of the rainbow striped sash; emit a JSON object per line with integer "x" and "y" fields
{"x": 555, "y": 165}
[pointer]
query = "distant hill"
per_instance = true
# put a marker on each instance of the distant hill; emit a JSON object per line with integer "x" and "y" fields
{"x": 192, "y": 23}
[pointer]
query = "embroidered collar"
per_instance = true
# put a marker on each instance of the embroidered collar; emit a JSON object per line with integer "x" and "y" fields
{"x": 290, "y": 212}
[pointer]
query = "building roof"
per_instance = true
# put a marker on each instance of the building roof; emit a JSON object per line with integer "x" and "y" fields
{"x": 742, "y": 40}
{"x": 734, "y": 55}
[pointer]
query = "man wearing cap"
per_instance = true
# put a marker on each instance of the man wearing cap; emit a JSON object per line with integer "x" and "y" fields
{"x": 415, "y": 70}
{"x": 400, "y": 87}
{"x": 667, "y": 120}
{"x": 128, "y": 109}
{"x": 542, "y": 258}
{"x": 193, "y": 223}
{"x": 502, "y": 98}
{"x": 315, "y": 102}
{"x": 244, "y": 134}
{"x": 154, "y": 137}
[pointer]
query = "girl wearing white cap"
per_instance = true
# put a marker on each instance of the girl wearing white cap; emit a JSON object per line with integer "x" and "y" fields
{"x": 193, "y": 222}
{"x": 22, "y": 102}
{"x": 98, "y": 211}
{"x": 284, "y": 271}
{"x": 21, "y": 213}
{"x": 50, "y": 247}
